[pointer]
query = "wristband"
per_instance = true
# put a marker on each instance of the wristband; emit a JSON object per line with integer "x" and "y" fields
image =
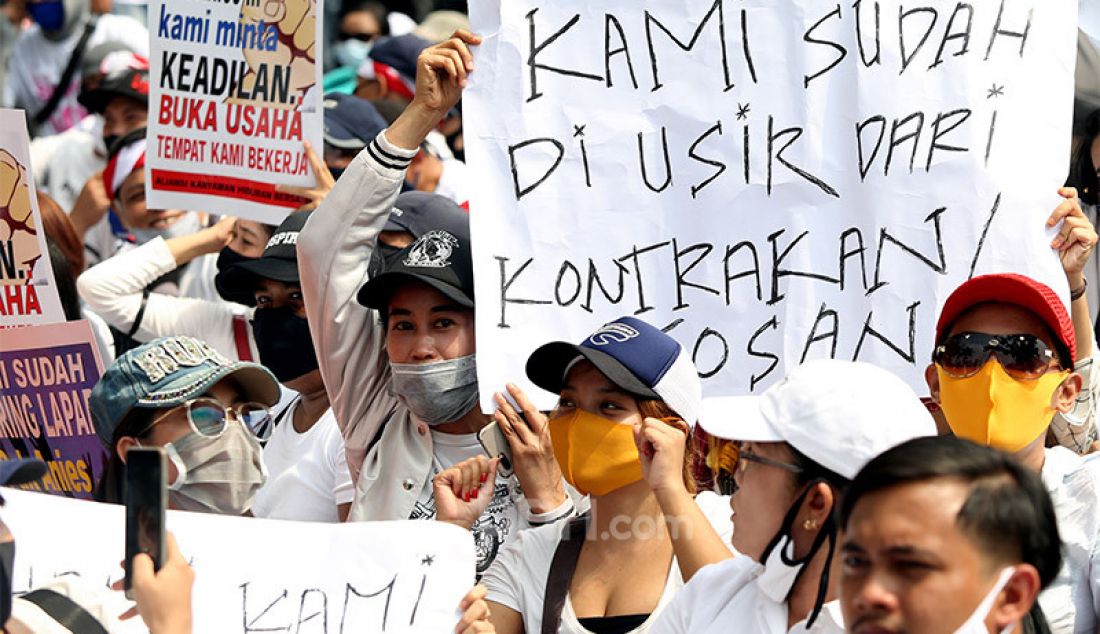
{"x": 1077, "y": 293}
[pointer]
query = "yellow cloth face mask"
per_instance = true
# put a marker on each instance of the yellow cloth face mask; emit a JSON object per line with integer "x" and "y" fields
{"x": 993, "y": 409}
{"x": 596, "y": 455}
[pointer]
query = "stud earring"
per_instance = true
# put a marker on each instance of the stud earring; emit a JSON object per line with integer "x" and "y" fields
{"x": 810, "y": 524}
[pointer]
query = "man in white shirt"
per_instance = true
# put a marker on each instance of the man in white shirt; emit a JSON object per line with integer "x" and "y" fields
{"x": 944, "y": 535}
{"x": 1003, "y": 365}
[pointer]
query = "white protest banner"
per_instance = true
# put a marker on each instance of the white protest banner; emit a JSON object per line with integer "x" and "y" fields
{"x": 46, "y": 376}
{"x": 235, "y": 87}
{"x": 28, "y": 293}
{"x": 254, "y": 575}
{"x": 769, "y": 181}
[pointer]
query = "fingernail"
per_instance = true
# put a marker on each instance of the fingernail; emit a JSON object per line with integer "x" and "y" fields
{"x": 476, "y": 492}
{"x": 484, "y": 478}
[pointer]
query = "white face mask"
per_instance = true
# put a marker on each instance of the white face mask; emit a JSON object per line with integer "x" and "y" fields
{"x": 777, "y": 579}
{"x": 185, "y": 226}
{"x": 976, "y": 623}
{"x": 217, "y": 475}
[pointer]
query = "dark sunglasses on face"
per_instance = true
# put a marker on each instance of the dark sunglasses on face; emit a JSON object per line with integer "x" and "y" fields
{"x": 362, "y": 37}
{"x": 1022, "y": 356}
{"x": 726, "y": 481}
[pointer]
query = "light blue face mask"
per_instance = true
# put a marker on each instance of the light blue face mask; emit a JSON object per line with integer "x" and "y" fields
{"x": 351, "y": 52}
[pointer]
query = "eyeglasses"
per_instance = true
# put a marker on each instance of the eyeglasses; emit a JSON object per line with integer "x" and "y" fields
{"x": 362, "y": 37}
{"x": 725, "y": 479}
{"x": 1022, "y": 356}
{"x": 209, "y": 417}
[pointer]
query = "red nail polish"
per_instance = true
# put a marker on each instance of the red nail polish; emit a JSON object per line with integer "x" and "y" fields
{"x": 476, "y": 492}
{"x": 484, "y": 478}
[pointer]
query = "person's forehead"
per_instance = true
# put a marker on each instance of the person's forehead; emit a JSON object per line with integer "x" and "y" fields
{"x": 997, "y": 318}
{"x": 584, "y": 375}
{"x": 920, "y": 514}
{"x": 418, "y": 295}
{"x": 122, "y": 103}
{"x": 132, "y": 180}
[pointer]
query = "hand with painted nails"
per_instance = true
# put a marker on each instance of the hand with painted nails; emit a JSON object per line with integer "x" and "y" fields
{"x": 463, "y": 492}
{"x": 528, "y": 434}
{"x": 1076, "y": 238}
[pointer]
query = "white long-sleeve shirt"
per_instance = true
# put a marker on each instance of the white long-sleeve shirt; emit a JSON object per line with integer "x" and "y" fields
{"x": 113, "y": 290}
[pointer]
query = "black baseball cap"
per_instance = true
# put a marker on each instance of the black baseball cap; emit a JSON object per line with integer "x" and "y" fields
{"x": 440, "y": 256}
{"x": 130, "y": 81}
{"x": 279, "y": 262}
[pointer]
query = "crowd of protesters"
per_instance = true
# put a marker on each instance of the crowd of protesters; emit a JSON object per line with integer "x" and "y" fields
{"x": 325, "y": 370}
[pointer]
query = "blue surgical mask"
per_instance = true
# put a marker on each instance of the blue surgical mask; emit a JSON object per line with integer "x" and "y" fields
{"x": 351, "y": 52}
{"x": 49, "y": 15}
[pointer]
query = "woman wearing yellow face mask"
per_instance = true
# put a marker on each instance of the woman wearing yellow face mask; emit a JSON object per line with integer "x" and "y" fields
{"x": 629, "y": 396}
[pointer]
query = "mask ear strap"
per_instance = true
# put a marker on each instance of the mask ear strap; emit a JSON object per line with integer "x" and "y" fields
{"x": 828, "y": 531}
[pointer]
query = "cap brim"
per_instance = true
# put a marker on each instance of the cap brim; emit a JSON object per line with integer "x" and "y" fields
{"x": 238, "y": 282}
{"x": 737, "y": 418}
{"x": 376, "y": 292}
{"x": 21, "y": 471}
{"x": 547, "y": 365}
{"x": 257, "y": 383}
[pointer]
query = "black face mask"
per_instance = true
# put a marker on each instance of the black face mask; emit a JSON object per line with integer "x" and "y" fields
{"x": 336, "y": 172}
{"x": 110, "y": 140}
{"x": 283, "y": 340}
{"x": 380, "y": 259}
{"x": 7, "y": 567}
{"x": 228, "y": 257}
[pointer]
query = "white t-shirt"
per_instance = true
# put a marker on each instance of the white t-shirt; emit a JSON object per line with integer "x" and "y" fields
{"x": 518, "y": 577}
{"x": 36, "y": 64}
{"x": 307, "y": 473}
{"x": 1071, "y": 603}
{"x": 499, "y": 523}
{"x": 724, "y": 597}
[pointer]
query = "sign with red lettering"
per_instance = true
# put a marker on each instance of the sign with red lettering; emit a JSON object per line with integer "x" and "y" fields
{"x": 235, "y": 90}
{"x": 46, "y": 375}
{"x": 28, "y": 293}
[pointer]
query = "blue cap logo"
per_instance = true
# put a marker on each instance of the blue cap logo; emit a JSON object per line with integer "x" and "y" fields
{"x": 615, "y": 332}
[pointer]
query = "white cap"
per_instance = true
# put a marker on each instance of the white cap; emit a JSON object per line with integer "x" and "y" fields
{"x": 840, "y": 414}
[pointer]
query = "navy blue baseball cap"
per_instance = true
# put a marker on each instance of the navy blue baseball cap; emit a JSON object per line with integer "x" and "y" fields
{"x": 635, "y": 356}
{"x": 350, "y": 122}
{"x": 400, "y": 52}
{"x": 21, "y": 471}
{"x": 167, "y": 372}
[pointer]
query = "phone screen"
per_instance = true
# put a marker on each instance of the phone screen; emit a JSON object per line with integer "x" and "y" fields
{"x": 145, "y": 494}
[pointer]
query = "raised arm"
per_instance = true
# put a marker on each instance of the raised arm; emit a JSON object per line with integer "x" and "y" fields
{"x": 1074, "y": 243}
{"x": 335, "y": 246}
{"x": 695, "y": 542}
{"x": 115, "y": 290}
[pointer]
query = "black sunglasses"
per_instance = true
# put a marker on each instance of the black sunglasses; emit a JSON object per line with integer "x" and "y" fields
{"x": 362, "y": 37}
{"x": 726, "y": 481}
{"x": 1022, "y": 356}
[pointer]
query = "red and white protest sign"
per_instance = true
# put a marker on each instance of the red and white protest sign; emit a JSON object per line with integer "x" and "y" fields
{"x": 235, "y": 89}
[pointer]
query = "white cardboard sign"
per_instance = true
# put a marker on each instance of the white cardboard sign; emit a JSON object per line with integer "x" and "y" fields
{"x": 256, "y": 575}
{"x": 768, "y": 181}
